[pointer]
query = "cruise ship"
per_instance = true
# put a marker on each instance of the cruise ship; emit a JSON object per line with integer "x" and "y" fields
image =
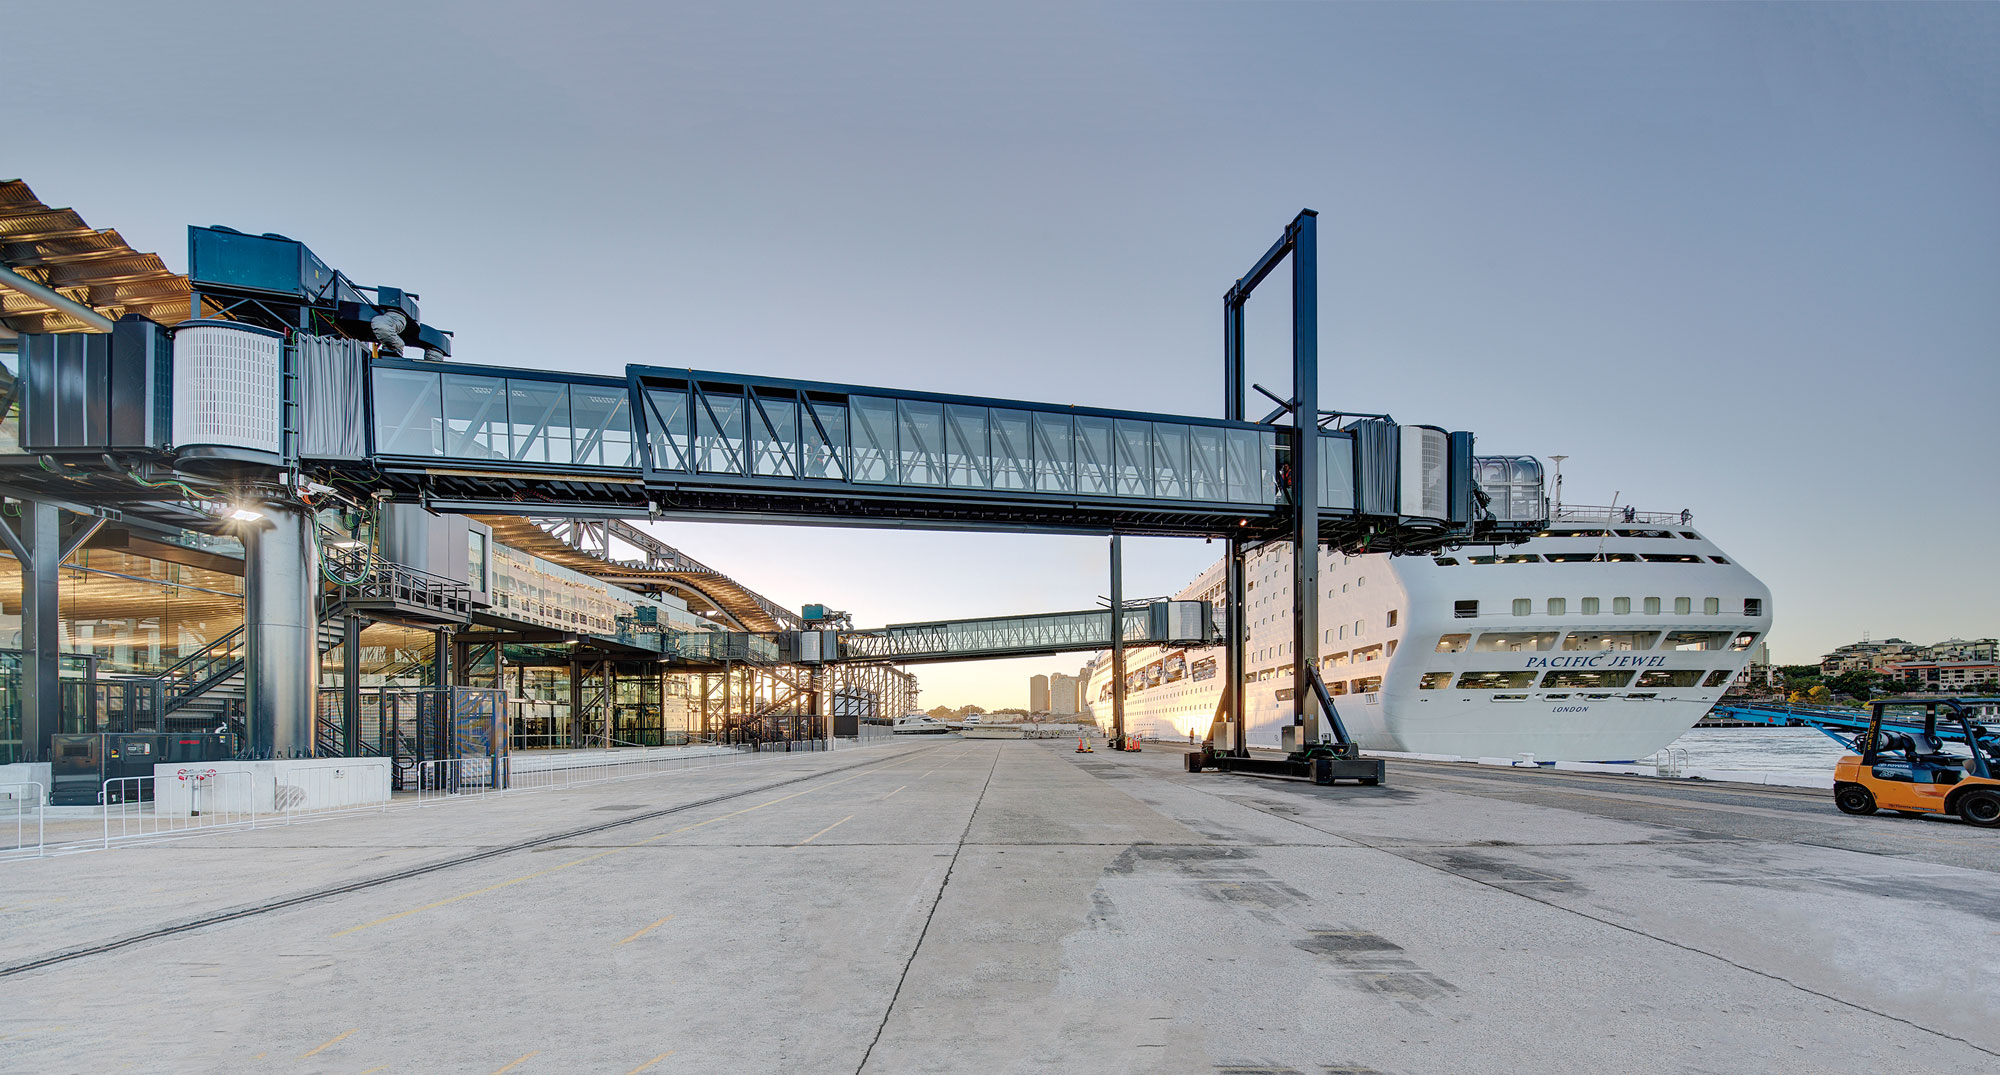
{"x": 1602, "y": 638}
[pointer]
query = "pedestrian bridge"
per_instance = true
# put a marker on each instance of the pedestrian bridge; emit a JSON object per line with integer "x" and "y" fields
{"x": 705, "y": 445}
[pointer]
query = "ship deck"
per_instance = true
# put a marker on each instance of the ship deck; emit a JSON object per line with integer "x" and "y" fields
{"x": 1011, "y": 906}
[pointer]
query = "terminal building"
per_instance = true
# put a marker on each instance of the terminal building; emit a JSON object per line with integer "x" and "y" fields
{"x": 585, "y": 633}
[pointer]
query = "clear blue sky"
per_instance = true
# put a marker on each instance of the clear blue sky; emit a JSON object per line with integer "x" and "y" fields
{"x": 1736, "y": 258}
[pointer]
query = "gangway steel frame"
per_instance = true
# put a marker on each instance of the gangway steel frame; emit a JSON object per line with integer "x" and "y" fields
{"x": 1158, "y": 623}
{"x": 668, "y": 442}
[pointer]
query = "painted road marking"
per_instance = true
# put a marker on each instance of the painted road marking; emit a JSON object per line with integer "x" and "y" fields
{"x": 645, "y": 931}
{"x": 650, "y": 1063}
{"x": 329, "y": 1043}
{"x": 824, "y": 831}
{"x": 518, "y": 1061}
{"x": 894, "y": 792}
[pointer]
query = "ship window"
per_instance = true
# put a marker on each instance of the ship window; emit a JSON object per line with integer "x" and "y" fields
{"x": 1337, "y": 688}
{"x": 1452, "y": 643}
{"x": 1343, "y": 631}
{"x": 1717, "y": 678}
{"x": 1494, "y": 681}
{"x": 1433, "y": 681}
{"x": 1690, "y": 535}
{"x": 1392, "y": 617}
{"x": 1711, "y": 606}
{"x": 1719, "y": 559}
{"x": 1589, "y": 606}
{"x": 1284, "y": 694}
{"x": 1524, "y": 606}
{"x": 1639, "y": 697}
{"x": 1695, "y": 640}
{"x": 1672, "y": 558}
{"x": 1591, "y": 641}
{"x": 1392, "y": 647}
{"x": 1362, "y": 581}
{"x": 1645, "y": 533}
{"x": 1357, "y": 629}
{"x": 1364, "y": 686}
{"x": 1558, "y": 606}
{"x": 1753, "y": 606}
{"x": 1621, "y": 606}
{"x": 1338, "y": 659}
{"x": 1516, "y": 641}
{"x": 1464, "y": 610}
{"x": 1516, "y": 558}
{"x": 1583, "y": 678}
{"x": 1447, "y": 561}
{"x": 1652, "y": 606}
{"x": 1683, "y": 606}
{"x": 1370, "y": 653}
{"x": 1670, "y": 677}
{"x": 1742, "y": 641}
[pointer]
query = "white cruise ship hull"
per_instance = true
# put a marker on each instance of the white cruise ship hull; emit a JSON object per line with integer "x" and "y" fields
{"x": 1602, "y": 640}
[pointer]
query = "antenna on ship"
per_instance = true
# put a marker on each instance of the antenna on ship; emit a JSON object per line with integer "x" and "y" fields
{"x": 1558, "y": 461}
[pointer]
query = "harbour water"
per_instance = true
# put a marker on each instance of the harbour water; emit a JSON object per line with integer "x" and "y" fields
{"x": 1760, "y": 749}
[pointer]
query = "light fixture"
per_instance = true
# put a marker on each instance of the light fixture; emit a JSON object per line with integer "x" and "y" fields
{"x": 245, "y": 515}
{"x": 350, "y": 543}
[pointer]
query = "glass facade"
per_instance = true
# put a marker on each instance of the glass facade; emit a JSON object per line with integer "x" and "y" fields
{"x": 475, "y": 417}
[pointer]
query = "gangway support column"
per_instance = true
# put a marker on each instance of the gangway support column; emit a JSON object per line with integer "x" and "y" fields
{"x": 280, "y": 663}
{"x": 1117, "y": 644}
{"x": 1305, "y": 472}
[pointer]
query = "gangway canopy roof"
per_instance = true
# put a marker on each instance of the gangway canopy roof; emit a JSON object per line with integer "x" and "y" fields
{"x": 55, "y": 248}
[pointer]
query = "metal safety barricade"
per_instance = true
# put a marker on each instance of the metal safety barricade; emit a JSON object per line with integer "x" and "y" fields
{"x": 328, "y": 788}
{"x": 24, "y": 800}
{"x": 199, "y": 799}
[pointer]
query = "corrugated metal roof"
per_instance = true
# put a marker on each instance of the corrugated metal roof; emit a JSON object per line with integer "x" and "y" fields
{"x": 54, "y": 247}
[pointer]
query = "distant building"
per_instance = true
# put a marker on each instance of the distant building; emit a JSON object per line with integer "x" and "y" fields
{"x": 1063, "y": 695}
{"x": 1958, "y": 649}
{"x": 1038, "y": 694}
{"x": 1944, "y": 675}
{"x": 1867, "y": 656}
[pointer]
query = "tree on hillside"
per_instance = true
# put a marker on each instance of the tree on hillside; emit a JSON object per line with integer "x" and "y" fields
{"x": 940, "y": 712}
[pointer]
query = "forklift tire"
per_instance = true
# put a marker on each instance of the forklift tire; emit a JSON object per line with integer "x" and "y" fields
{"x": 1981, "y": 808}
{"x": 1853, "y": 799}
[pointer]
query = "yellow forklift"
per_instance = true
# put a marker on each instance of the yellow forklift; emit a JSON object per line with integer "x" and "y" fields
{"x": 1904, "y": 764}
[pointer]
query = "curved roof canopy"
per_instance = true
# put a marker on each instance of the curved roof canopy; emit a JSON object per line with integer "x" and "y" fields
{"x": 55, "y": 249}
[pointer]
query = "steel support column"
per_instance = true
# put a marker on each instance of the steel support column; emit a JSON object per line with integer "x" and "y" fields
{"x": 1305, "y": 472}
{"x": 281, "y": 627}
{"x": 350, "y": 684}
{"x": 39, "y": 550}
{"x": 1117, "y": 640}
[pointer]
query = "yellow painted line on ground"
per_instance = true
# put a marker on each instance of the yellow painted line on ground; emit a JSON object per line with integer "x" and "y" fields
{"x": 650, "y": 1063}
{"x": 824, "y": 831}
{"x": 518, "y": 1061}
{"x": 329, "y": 1043}
{"x": 376, "y": 1068}
{"x": 894, "y": 792}
{"x": 510, "y": 882}
{"x": 645, "y": 931}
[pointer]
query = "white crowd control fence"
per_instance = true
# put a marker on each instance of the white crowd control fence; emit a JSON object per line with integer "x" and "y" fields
{"x": 214, "y": 800}
{"x": 197, "y": 798}
{"x": 23, "y": 802}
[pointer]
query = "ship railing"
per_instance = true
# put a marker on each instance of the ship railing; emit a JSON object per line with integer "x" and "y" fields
{"x": 1613, "y": 515}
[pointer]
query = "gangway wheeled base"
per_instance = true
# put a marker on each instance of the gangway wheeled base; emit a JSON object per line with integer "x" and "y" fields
{"x": 1318, "y": 768}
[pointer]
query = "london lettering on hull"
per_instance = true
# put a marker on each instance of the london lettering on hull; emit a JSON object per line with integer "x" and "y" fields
{"x": 1600, "y": 660}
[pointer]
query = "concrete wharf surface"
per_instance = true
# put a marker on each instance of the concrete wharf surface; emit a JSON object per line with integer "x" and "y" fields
{"x": 996, "y": 906}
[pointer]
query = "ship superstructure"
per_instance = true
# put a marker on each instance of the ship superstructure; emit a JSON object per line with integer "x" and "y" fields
{"x": 1603, "y": 637}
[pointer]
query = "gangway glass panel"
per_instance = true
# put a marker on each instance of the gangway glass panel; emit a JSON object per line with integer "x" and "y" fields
{"x": 696, "y": 427}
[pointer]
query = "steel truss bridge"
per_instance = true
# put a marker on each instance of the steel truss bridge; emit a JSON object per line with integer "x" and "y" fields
{"x": 353, "y": 417}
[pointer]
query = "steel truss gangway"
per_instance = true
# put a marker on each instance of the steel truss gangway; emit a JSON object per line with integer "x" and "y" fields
{"x": 1156, "y": 623}
{"x": 286, "y": 390}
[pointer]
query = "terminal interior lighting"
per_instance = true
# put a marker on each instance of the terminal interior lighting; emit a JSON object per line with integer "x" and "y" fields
{"x": 245, "y": 515}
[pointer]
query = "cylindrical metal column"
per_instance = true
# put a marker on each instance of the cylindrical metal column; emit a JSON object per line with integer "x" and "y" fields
{"x": 1117, "y": 642}
{"x": 280, "y": 617}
